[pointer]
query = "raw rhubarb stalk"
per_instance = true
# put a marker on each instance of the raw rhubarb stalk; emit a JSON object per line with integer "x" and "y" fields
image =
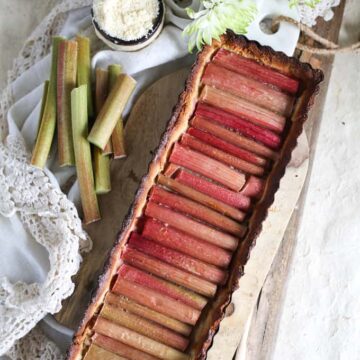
{"x": 226, "y": 146}
{"x": 144, "y": 327}
{"x": 176, "y": 292}
{"x": 101, "y": 93}
{"x": 178, "y": 240}
{"x": 48, "y": 122}
{"x": 240, "y": 107}
{"x": 148, "y": 313}
{"x": 117, "y": 136}
{"x": 253, "y": 187}
{"x": 43, "y": 103}
{"x": 101, "y": 160}
{"x": 213, "y": 152}
{"x": 159, "y": 302}
{"x": 190, "y": 226}
{"x": 132, "y": 338}
{"x": 119, "y": 348}
{"x": 171, "y": 169}
{"x": 254, "y": 70}
{"x": 229, "y": 197}
{"x": 96, "y": 352}
{"x": 177, "y": 259}
{"x": 196, "y": 210}
{"x": 246, "y": 128}
{"x": 84, "y": 70}
{"x": 111, "y": 111}
{"x": 207, "y": 166}
{"x": 201, "y": 198}
{"x": 66, "y": 82}
{"x": 79, "y": 119}
{"x": 168, "y": 272}
{"x": 248, "y": 89}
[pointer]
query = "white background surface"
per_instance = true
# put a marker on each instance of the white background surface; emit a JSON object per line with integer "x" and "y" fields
{"x": 320, "y": 318}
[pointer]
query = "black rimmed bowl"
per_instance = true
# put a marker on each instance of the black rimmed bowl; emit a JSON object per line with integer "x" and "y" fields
{"x": 132, "y": 45}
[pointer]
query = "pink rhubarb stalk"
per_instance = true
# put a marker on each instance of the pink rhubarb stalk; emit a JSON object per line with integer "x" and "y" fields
{"x": 246, "y": 128}
{"x": 213, "y": 152}
{"x": 207, "y": 166}
{"x": 168, "y": 272}
{"x": 147, "y": 313}
{"x": 178, "y": 240}
{"x": 177, "y": 259}
{"x": 229, "y": 197}
{"x": 191, "y": 227}
{"x": 225, "y": 146}
{"x": 255, "y": 70}
{"x": 248, "y": 89}
{"x": 253, "y": 187}
{"x": 132, "y": 274}
{"x": 240, "y": 107}
{"x": 136, "y": 340}
{"x": 156, "y": 301}
{"x": 201, "y": 198}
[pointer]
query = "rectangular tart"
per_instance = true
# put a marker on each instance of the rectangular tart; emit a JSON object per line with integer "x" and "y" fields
{"x": 199, "y": 209}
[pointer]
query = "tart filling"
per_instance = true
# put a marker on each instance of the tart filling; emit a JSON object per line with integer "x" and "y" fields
{"x": 200, "y": 208}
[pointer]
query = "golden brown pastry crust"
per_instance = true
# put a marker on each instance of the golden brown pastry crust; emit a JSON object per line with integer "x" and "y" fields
{"x": 213, "y": 314}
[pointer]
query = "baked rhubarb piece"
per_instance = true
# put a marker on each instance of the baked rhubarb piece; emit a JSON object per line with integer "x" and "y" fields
{"x": 200, "y": 208}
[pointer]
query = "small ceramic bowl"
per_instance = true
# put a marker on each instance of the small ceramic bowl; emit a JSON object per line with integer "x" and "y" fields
{"x": 132, "y": 45}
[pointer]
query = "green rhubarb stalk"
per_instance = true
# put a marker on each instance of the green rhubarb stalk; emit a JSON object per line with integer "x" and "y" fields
{"x": 117, "y": 136}
{"x": 101, "y": 161}
{"x": 43, "y": 103}
{"x": 101, "y": 93}
{"x": 84, "y": 70}
{"x": 48, "y": 121}
{"x": 111, "y": 111}
{"x": 66, "y": 82}
{"x": 83, "y": 154}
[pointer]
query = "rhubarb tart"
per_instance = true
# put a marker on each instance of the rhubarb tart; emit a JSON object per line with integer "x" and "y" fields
{"x": 199, "y": 209}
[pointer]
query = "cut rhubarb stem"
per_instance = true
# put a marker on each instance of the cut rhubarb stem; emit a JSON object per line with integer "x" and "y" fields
{"x": 208, "y": 167}
{"x": 253, "y": 187}
{"x": 225, "y": 146}
{"x": 66, "y": 82}
{"x": 111, "y": 111}
{"x": 48, "y": 122}
{"x": 84, "y": 70}
{"x": 248, "y": 89}
{"x": 43, "y": 103}
{"x": 101, "y": 160}
{"x": 148, "y": 313}
{"x": 84, "y": 171}
{"x": 177, "y": 240}
{"x": 177, "y": 259}
{"x": 168, "y": 272}
{"x": 243, "y": 108}
{"x": 144, "y": 327}
{"x": 101, "y": 93}
{"x": 117, "y": 136}
{"x": 201, "y": 198}
{"x": 246, "y": 128}
{"x": 196, "y": 210}
{"x": 231, "y": 198}
{"x": 159, "y": 302}
{"x": 254, "y": 70}
{"x": 171, "y": 169}
{"x": 96, "y": 352}
{"x": 213, "y": 152}
{"x": 176, "y": 292}
{"x": 190, "y": 226}
{"x": 132, "y": 338}
{"x": 119, "y": 348}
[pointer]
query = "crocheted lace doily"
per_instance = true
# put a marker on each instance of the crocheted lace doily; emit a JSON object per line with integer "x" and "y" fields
{"x": 45, "y": 211}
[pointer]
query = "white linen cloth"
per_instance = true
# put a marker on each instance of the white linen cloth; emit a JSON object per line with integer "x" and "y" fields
{"x": 27, "y": 263}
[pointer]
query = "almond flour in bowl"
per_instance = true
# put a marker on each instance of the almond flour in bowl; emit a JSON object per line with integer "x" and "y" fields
{"x": 128, "y": 25}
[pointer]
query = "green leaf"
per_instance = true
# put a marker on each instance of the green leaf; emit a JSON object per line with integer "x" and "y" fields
{"x": 218, "y": 16}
